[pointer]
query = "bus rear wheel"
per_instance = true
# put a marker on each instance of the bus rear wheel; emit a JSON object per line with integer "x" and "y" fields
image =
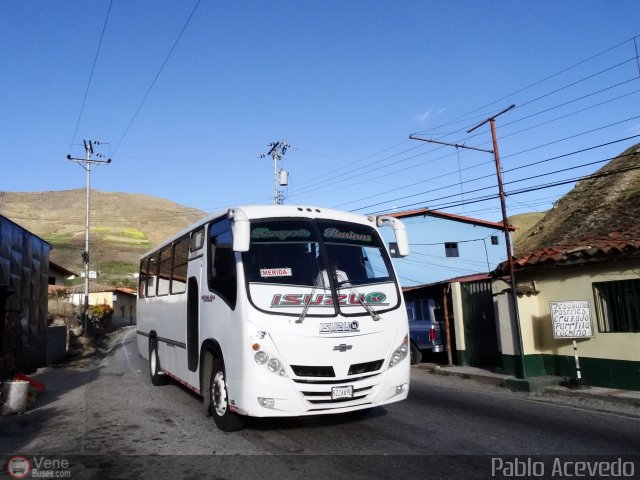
{"x": 218, "y": 400}
{"x": 157, "y": 377}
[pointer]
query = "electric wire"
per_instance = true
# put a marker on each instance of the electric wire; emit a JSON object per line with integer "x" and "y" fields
{"x": 593, "y": 147}
{"x": 523, "y": 190}
{"x": 318, "y": 185}
{"x": 155, "y": 79}
{"x": 333, "y": 186}
{"x": 536, "y": 83}
{"x": 93, "y": 67}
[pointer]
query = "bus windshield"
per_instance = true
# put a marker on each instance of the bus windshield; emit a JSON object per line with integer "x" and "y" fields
{"x": 294, "y": 262}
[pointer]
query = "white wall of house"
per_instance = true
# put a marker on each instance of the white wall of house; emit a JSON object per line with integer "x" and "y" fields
{"x": 458, "y": 316}
{"x": 123, "y": 304}
{"x": 558, "y": 285}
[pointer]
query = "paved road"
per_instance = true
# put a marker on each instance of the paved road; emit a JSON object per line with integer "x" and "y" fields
{"x": 113, "y": 409}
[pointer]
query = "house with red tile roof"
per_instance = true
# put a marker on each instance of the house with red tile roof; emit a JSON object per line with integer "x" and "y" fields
{"x": 121, "y": 299}
{"x": 578, "y": 275}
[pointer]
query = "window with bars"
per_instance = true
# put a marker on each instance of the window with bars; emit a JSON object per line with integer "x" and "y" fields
{"x": 617, "y": 306}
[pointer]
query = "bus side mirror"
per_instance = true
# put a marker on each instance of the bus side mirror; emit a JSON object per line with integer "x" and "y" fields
{"x": 241, "y": 230}
{"x": 401, "y": 246}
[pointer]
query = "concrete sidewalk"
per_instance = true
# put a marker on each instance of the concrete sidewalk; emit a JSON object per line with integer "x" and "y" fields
{"x": 546, "y": 384}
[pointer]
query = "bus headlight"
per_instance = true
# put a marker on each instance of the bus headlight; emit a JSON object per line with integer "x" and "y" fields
{"x": 261, "y": 357}
{"x": 400, "y": 353}
{"x": 274, "y": 365}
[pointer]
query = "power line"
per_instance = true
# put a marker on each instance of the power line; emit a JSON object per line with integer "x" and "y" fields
{"x": 364, "y": 180}
{"x": 524, "y": 190}
{"x": 564, "y": 104}
{"x": 93, "y": 67}
{"x": 531, "y": 85}
{"x": 573, "y": 84}
{"x": 509, "y": 170}
{"x": 593, "y": 147}
{"x": 175, "y": 43}
{"x": 308, "y": 188}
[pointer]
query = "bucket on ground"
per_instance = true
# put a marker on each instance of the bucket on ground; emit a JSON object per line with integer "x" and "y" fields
{"x": 14, "y": 396}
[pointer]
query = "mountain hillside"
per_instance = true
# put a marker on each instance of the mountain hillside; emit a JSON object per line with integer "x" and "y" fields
{"x": 595, "y": 207}
{"x": 524, "y": 222}
{"x": 123, "y": 225}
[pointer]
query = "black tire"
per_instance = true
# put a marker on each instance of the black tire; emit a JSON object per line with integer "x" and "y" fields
{"x": 218, "y": 404}
{"x": 157, "y": 377}
{"x": 415, "y": 355}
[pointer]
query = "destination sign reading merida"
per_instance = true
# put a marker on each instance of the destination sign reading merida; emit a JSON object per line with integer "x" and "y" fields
{"x": 571, "y": 319}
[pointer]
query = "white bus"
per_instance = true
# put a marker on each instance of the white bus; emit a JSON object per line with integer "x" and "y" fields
{"x": 271, "y": 311}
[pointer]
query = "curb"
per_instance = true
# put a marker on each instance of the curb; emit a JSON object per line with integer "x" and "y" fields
{"x": 615, "y": 397}
{"x": 491, "y": 379}
{"x": 612, "y": 396}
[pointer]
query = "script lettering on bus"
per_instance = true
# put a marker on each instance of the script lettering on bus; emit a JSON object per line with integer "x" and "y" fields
{"x": 264, "y": 233}
{"x": 334, "y": 233}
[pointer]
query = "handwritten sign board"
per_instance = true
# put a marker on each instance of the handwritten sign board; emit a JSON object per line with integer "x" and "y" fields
{"x": 571, "y": 319}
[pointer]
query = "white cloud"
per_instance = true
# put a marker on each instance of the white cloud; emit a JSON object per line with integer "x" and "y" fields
{"x": 422, "y": 117}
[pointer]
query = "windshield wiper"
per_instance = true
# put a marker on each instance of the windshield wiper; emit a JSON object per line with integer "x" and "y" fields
{"x": 307, "y": 304}
{"x": 359, "y": 296}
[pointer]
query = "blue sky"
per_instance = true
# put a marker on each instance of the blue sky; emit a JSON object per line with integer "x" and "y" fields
{"x": 346, "y": 83}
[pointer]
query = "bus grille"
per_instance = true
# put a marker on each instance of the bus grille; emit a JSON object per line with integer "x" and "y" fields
{"x": 312, "y": 371}
{"x": 334, "y": 381}
{"x": 360, "y": 368}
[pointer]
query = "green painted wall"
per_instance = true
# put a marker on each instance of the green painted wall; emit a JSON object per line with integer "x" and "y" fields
{"x": 595, "y": 371}
{"x": 462, "y": 358}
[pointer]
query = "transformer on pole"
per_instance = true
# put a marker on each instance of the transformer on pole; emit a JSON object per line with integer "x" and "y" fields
{"x": 277, "y": 151}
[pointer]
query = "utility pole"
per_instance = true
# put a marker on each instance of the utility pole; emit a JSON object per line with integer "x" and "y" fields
{"x": 521, "y": 372}
{"x": 86, "y": 163}
{"x": 281, "y": 177}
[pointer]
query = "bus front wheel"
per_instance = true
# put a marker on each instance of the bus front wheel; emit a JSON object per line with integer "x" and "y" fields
{"x": 218, "y": 400}
{"x": 157, "y": 377}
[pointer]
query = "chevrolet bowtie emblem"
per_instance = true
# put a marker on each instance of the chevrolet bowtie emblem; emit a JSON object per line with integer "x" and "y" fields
{"x": 342, "y": 347}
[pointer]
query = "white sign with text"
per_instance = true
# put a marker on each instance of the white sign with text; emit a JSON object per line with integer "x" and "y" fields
{"x": 571, "y": 319}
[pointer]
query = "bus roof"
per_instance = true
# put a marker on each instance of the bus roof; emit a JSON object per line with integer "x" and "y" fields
{"x": 272, "y": 211}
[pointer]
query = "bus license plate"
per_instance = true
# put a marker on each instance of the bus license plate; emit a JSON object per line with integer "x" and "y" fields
{"x": 342, "y": 392}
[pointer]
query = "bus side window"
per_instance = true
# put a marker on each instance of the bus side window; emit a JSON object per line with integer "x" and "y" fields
{"x": 197, "y": 240}
{"x": 179, "y": 269}
{"x": 221, "y": 268}
{"x": 142, "y": 280}
{"x": 164, "y": 272}
{"x": 152, "y": 275}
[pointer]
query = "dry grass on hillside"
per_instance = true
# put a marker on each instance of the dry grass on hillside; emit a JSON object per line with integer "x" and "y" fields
{"x": 123, "y": 225}
{"x": 594, "y": 207}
